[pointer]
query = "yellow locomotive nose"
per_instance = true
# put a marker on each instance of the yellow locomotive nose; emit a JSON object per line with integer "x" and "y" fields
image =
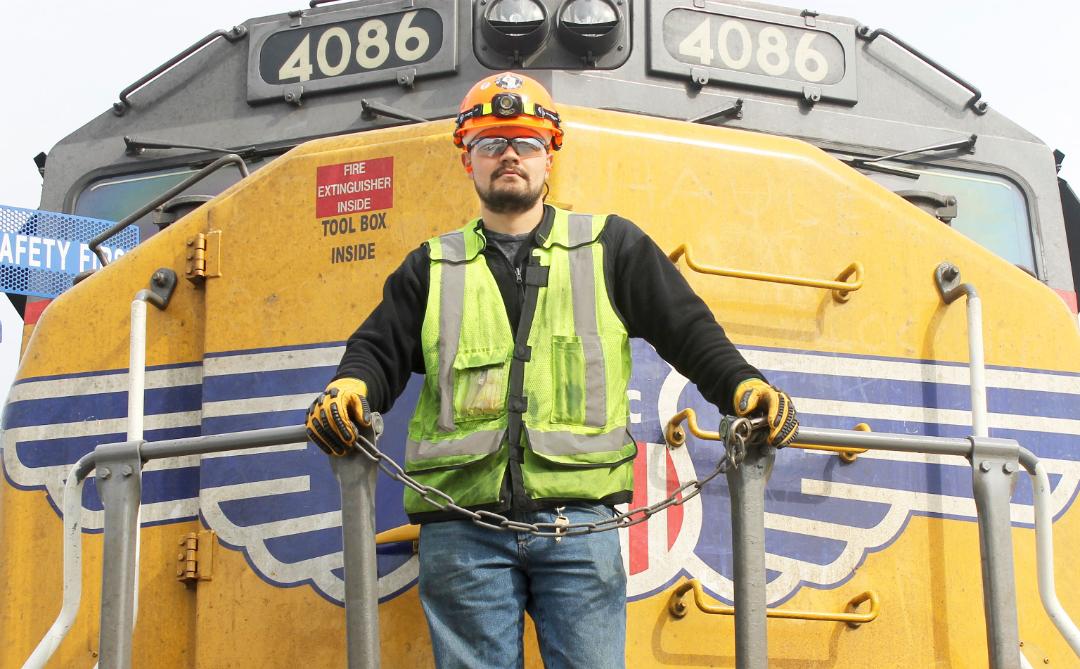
{"x": 888, "y": 250}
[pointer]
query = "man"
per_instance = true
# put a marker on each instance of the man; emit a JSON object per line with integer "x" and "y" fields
{"x": 520, "y": 321}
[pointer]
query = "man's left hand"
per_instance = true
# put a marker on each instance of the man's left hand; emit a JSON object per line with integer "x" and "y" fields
{"x": 754, "y": 395}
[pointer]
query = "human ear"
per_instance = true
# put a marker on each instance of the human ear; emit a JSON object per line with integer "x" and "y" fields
{"x": 466, "y": 161}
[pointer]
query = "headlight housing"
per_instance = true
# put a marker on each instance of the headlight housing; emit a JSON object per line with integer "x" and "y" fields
{"x": 515, "y": 28}
{"x": 588, "y": 27}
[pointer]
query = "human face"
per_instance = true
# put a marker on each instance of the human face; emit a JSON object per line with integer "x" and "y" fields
{"x": 508, "y": 183}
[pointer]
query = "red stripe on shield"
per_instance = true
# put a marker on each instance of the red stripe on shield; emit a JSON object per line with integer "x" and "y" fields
{"x": 639, "y": 534}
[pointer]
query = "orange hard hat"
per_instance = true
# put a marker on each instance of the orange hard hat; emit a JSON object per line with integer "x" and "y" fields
{"x": 508, "y": 99}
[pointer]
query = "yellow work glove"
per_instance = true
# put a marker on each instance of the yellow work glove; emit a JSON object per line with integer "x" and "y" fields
{"x": 755, "y": 395}
{"x": 331, "y": 418}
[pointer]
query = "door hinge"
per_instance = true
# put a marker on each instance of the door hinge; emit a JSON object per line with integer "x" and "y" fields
{"x": 203, "y": 256}
{"x": 195, "y": 562}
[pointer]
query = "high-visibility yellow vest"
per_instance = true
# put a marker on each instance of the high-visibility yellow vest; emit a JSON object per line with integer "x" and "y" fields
{"x": 562, "y": 384}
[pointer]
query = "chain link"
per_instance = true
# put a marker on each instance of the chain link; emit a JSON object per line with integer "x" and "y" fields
{"x": 736, "y": 434}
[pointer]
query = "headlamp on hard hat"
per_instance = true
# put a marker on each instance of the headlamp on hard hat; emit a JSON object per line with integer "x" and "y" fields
{"x": 507, "y": 105}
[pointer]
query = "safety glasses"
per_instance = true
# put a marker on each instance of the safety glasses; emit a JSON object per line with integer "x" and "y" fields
{"x": 493, "y": 147}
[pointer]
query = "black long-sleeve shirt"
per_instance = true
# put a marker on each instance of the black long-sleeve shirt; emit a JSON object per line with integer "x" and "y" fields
{"x": 649, "y": 294}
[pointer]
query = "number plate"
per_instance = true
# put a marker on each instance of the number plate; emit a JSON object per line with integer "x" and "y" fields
{"x": 737, "y": 45}
{"x": 350, "y": 47}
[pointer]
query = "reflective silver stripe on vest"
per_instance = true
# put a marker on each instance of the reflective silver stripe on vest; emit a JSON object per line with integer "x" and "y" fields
{"x": 568, "y": 443}
{"x": 477, "y": 443}
{"x": 451, "y": 303}
{"x": 583, "y": 289}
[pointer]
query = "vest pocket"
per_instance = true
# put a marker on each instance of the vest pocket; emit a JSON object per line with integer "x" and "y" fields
{"x": 480, "y": 378}
{"x": 567, "y": 380}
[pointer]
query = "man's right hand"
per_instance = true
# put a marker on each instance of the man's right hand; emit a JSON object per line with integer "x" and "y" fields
{"x": 333, "y": 416}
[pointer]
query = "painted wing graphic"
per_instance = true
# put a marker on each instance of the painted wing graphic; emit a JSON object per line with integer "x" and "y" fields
{"x": 280, "y": 505}
{"x": 49, "y": 423}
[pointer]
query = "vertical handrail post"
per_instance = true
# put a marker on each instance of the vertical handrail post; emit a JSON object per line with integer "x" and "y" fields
{"x": 356, "y": 476}
{"x": 136, "y": 408}
{"x": 119, "y": 479}
{"x": 137, "y": 366}
{"x": 977, "y": 365}
{"x": 746, "y": 484}
{"x": 994, "y": 463}
{"x": 162, "y": 285}
{"x": 947, "y": 278}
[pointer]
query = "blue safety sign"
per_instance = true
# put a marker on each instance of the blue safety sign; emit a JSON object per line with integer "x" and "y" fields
{"x": 41, "y": 252}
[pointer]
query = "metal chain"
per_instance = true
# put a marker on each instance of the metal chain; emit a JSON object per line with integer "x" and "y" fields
{"x": 736, "y": 434}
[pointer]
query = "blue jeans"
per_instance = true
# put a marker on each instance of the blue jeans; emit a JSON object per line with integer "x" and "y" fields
{"x": 476, "y": 584}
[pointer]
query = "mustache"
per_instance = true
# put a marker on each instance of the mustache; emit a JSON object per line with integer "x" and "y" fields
{"x": 510, "y": 169}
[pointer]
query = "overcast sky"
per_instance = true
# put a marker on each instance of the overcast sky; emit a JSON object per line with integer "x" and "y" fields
{"x": 67, "y": 60}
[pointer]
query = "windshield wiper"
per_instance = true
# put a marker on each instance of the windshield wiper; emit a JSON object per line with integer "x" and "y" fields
{"x": 370, "y": 109}
{"x": 875, "y": 165}
{"x": 136, "y": 146}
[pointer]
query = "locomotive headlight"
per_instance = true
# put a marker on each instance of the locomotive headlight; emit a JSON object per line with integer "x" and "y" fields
{"x": 515, "y": 28}
{"x": 588, "y": 27}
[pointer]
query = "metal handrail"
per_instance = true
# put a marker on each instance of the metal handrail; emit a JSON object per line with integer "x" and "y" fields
{"x": 229, "y": 159}
{"x": 142, "y": 451}
{"x": 679, "y": 609}
{"x": 233, "y": 34}
{"x": 998, "y": 638}
{"x": 72, "y": 572}
{"x": 841, "y": 287}
{"x": 947, "y": 280}
{"x": 993, "y": 481}
{"x": 675, "y": 437}
{"x": 976, "y": 103}
{"x": 1044, "y": 550}
{"x": 163, "y": 282}
{"x": 846, "y": 453}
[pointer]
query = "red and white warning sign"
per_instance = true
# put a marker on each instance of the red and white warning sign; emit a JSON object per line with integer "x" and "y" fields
{"x": 349, "y": 188}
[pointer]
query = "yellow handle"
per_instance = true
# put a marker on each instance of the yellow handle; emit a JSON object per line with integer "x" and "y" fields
{"x": 846, "y": 453}
{"x": 841, "y": 287}
{"x": 678, "y": 609}
{"x": 398, "y": 534}
{"x": 676, "y": 437}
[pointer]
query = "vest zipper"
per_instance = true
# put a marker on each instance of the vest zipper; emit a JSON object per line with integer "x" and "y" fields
{"x": 519, "y": 496}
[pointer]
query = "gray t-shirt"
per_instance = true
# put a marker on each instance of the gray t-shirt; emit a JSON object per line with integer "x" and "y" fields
{"x": 509, "y": 245}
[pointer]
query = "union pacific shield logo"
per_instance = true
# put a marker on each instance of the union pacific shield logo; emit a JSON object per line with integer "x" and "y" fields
{"x": 280, "y": 505}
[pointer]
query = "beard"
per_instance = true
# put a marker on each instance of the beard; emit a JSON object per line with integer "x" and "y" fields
{"x": 510, "y": 199}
